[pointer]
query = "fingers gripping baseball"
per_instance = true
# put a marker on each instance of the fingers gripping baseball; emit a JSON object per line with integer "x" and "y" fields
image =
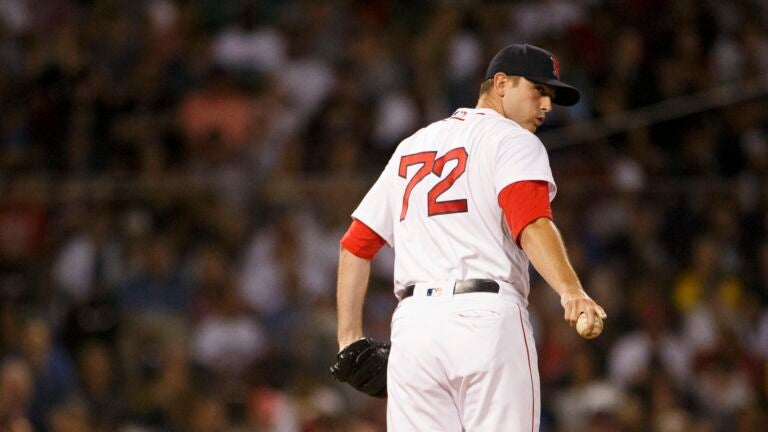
{"x": 363, "y": 364}
{"x": 589, "y": 330}
{"x": 577, "y": 303}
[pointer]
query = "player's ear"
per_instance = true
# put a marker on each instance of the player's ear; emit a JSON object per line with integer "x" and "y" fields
{"x": 500, "y": 84}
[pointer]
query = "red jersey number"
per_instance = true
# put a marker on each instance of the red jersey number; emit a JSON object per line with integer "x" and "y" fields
{"x": 431, "y": 165}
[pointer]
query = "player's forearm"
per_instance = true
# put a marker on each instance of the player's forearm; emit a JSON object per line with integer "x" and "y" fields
{"x": 351, "y": 287}
{"x": 542, "y": 243}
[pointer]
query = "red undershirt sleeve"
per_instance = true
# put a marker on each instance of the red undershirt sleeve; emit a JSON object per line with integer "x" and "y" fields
{"x": 522, "y": 203}
{"x": 362, "y": 241}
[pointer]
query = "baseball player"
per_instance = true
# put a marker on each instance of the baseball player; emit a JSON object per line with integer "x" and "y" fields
{"x": 465, "y": 202}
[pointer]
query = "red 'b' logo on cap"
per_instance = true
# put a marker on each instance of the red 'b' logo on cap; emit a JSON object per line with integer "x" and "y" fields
{"x": 555, "y": 67}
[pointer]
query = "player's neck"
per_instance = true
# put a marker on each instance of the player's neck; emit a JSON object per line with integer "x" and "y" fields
{"x": 489, "y": 103}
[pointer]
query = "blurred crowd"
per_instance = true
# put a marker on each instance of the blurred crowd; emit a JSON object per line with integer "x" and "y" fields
{"x": 175, "y": 176}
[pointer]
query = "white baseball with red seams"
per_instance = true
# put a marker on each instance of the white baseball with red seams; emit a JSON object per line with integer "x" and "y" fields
{"x": 467, "y": 364}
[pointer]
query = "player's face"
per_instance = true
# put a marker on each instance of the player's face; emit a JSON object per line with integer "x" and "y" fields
{"x": 527, "y": 103}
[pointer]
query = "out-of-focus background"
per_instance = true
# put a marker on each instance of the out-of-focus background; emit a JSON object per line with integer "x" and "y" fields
{"x": 175, "y": 177}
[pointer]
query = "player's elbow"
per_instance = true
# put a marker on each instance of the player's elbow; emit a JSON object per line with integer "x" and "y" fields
{"x": 532, "y": 234}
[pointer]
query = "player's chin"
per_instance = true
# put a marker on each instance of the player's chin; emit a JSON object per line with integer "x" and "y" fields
{"x": 536, "y": 124}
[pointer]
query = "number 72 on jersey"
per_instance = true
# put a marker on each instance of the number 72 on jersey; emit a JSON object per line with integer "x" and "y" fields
{"x": 429, "y": 164}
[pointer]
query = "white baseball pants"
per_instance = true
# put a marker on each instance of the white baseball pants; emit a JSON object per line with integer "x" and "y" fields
{"x": 464, "y": 362}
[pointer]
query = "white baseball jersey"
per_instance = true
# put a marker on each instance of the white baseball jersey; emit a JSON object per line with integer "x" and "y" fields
{"x": 436, "y": 201}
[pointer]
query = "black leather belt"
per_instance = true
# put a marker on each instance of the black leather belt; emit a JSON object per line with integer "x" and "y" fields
{"x": 462, "y": 287}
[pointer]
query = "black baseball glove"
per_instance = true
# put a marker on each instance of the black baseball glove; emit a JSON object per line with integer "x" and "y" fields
{"x": 363, "y": 364}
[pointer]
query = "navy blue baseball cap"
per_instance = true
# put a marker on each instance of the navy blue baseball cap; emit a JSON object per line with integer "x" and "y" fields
{"x": 535, "y": 65}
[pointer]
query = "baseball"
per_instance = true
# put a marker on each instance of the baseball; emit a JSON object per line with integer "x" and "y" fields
{"x": 582, "y": 326}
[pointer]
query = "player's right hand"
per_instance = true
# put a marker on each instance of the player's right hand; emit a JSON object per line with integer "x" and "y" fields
{"x": 577, "y": 302}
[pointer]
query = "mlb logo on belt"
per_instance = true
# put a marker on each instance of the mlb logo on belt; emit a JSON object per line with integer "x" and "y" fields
{"x": 434, "y": 292}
